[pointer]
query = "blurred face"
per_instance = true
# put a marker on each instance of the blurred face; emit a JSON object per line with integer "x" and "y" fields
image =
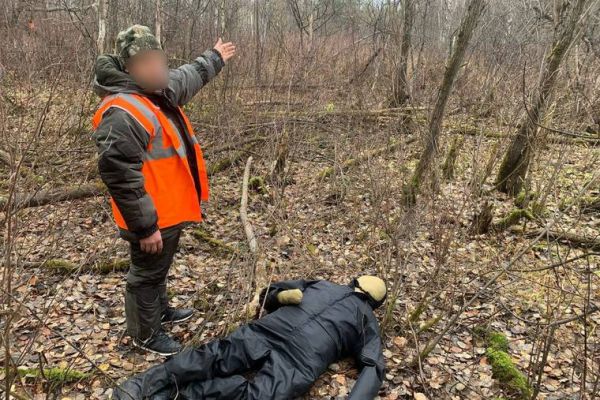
{"x": 149, "y": 69}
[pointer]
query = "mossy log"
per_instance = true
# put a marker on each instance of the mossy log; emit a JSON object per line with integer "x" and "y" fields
{"x": 204, "y": 236}
{"x": 54, "y": 375}
{"x": 504, "y": 369}
{"x": 65, "y": 267}
{"x": 513, "y": 218}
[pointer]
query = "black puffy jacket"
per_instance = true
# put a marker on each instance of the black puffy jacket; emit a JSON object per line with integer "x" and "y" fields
{"x": 288, "y": 349}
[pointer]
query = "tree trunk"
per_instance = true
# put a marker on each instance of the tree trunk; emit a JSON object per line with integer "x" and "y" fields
{"x": 157, "y": 22}
{"x": 474, "y": 11}
{"x": 515, "y": 163}
{"x": 401, "y": 88}
{"x": 102, "y": 14}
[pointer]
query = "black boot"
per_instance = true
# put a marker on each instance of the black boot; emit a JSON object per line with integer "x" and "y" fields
{"x": 159, "y": 343}
{"x": 174, "y": 315}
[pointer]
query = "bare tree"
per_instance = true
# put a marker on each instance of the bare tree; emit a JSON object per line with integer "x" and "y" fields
{"x": 102, "y": 16}
{"x": 401, "y": 87}
{"x": 515, "y": 164}
{"x": 474, "y": 10}
{"x": 158, "y": 21}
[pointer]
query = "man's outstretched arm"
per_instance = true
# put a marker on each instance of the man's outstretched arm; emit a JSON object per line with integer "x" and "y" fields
{"x": 187, "y": 80}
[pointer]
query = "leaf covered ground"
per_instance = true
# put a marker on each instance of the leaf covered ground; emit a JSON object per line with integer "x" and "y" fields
{"x": 336, "y": 228}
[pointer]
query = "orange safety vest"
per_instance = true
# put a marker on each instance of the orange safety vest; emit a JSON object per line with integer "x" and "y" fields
{"x": 167, "y": 176}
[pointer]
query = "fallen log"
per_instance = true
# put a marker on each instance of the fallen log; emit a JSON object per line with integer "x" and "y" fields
{"x": 568, "y": 238}
{"x": 65, "y": 267}
{"x": 44, "y": 197}
{"x": 203, "y": 236}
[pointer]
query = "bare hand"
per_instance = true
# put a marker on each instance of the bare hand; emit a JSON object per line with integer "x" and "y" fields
{"x": 227, "y": 50}
{"x": 152, "y": 244}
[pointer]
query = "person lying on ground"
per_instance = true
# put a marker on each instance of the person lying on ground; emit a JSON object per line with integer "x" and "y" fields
{"x": 309, "y": 325}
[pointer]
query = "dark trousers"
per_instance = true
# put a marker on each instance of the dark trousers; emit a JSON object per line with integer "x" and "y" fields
{"x": 217, "y": 370}
{"x": 146, "y": 290}
{"x": 222, "y": 366}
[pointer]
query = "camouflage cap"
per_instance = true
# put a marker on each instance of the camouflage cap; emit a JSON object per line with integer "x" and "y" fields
{"x": 135, "y": 39}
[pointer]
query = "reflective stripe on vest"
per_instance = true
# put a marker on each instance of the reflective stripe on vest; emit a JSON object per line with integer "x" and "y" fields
{"x": 157, "y": 149}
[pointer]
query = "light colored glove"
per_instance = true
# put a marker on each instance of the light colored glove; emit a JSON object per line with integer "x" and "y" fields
{"x": 290, "y": 296}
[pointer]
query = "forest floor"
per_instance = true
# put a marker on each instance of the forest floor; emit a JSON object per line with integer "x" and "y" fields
{"x": 337, "y": 228}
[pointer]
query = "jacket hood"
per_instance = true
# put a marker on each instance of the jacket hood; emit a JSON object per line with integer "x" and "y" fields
{"x": 110, "y": 77}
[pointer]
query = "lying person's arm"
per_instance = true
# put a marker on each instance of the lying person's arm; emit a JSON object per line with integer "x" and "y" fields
{"x": 187, "y": 80}
{"x": 283, "y": 293}
{"x": 370, "y": 362}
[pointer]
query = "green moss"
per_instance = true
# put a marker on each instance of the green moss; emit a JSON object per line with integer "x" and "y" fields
{"x": 59, "y": 266}
{"x": 54, "y": 375}
{"x": 497, "y": 341}
{"x": 507, "y": 373}
{"x": 118, "y": 265}
{"x": 449, "y": 166}
{"x": 171, "y": 293}
{"x": 416, "y": 313}
{"x": 325, "y": 173}
{"x": 430, "y": 323}
{"x": 65, "y": 267}
{"x": 513, "y": 218}
{"x": 217, "y": 244}
{"x": 521, "y": 199}
{"x": 257, "y": 184}
{"x": 202, "y": 304}
{"x": 503, "y": 367}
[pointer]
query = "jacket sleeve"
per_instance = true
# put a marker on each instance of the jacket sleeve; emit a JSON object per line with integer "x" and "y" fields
{"x": 268, "y": 296}
{"x": 187, "y": 80}
{"x": 370, "y": 362}
{"x": 122, "y": 143}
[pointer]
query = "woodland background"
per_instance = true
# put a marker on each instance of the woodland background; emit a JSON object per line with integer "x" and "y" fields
{"x": 450, "y": 146}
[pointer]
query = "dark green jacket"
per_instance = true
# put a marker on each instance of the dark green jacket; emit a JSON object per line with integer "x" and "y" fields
{"x": 122, "y": 141}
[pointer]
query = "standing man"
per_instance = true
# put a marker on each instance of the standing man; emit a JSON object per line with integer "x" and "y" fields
{"x": 153, "y": 167}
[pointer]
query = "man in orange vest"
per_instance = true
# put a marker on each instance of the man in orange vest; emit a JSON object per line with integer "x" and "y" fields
{"x": 152, "y": 165}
